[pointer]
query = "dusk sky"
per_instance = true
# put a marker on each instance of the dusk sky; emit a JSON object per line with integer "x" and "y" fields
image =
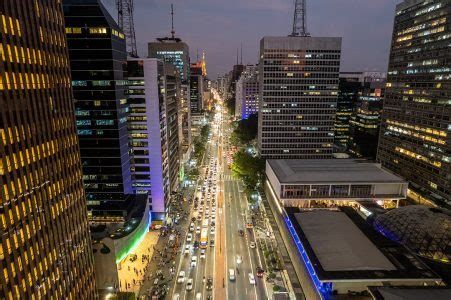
{"x": 220, "y": 26}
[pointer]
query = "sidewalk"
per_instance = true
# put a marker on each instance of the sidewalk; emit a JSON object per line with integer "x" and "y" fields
{"x": 131, "y": 273}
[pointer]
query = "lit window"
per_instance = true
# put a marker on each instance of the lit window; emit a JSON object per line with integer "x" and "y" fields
{"x": 98, "y": 30}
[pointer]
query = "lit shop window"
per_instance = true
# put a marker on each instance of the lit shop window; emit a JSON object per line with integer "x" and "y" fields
{"x": 98, "y": 30}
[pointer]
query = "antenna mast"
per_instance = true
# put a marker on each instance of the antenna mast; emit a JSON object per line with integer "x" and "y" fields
{"x": 126, "y": 23}
{"x": 300, "y": 19}
{"x": 172, "y": 21}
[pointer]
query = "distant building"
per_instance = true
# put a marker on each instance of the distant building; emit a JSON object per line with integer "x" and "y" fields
{"x": 298, "y": 96}
{"x": 45, "y": 245}
{"x": 97, "y": 53}
{"x": 147, "y": 124}
{"x": 246, "y": 95}
{"x": 415, "y": 131}
{"x": 331, "y": 182}
{"x": 196, "y": 89}
{"x": 365, "y": 121}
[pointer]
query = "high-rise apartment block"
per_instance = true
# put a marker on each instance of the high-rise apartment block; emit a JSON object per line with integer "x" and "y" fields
{"x": 196, "y": 89}
{"x": 148, "y": 131}
{"x": 97, "y": 53}
{"x": 246, "y": 94}
{"x": 45, "y": 247}
{"x": 298, "y": 96}
{"x": 415, "y": 131}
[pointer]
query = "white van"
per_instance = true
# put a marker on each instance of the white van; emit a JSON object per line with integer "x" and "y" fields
{"x": 231, "y": 274}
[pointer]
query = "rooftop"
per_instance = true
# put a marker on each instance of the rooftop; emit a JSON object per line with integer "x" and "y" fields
{"x": 409, "y": 292}
{"x": 330, "y": 171}
{"x": 333, "y": 237}
{"x": 342, "y": 246}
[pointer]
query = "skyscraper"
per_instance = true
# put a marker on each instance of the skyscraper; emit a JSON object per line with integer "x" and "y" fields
{"x": 148, "y": 131}
{"x": 298, "y": 96}
{"x": 97, "y": 55}
{"x": 45, "y": 248}
{"x": 414, "y": 138}
{"x": 196, "y": 89}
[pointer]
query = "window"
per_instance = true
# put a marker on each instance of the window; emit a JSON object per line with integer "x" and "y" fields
{"x": 98, "y": 30}
{"x": 84, "y": 132}
{"x": 79, "y": 83}
{"x": 105, "y": 122}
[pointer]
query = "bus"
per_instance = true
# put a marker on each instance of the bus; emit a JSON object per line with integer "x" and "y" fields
{"x": 205, "y": 223}
{"x": 204, "y": 238}
{"x": 249, "y": 223}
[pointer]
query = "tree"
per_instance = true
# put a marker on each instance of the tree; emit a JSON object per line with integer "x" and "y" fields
{"x": 248, "y": 168}
{"x": 246, "y": 130}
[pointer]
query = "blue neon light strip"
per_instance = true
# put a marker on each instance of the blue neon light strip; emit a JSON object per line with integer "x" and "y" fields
{"x": 324, "y": 289}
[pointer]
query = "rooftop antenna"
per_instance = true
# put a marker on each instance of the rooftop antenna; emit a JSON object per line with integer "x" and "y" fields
{"x": 300, "y": 19}
{"x": 241, "y": 57}
{"x": 172, "y": 21}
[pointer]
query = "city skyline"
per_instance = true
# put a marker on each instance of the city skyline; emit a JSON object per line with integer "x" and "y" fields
{"x": 366, "y": 36}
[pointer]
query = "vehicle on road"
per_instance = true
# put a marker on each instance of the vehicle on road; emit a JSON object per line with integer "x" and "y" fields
{"x": 252, "y": 245}
{"x": 199, "y": 296}
{"x": 260, "y": 272}
{"x": 203, "y": 253}
{"x": 191, "y": 227}
{"x": 198, "y": 230}
{"x": 181, "y": 277}
{"x": 251, "y": 278}
{"x": 193, "y": 261}
{"x": 204, "y": 238}
{"x": 196, "y": 245}
{"x": 209, "y": 284}
{"x": 189, "y": 237}
{"x": 205, "y": 223}
{"x": 231, "y": 274}
{"x": 212, "y": 243}
{"x": 212, "y": 230}
{"x": 241, "y": 232}
{"x": 239, "y": 259}
{"x": 189, "y": 284}
{"x": 187, "y": 249}
{"x": 175, "y": 297}
{"x": 249, "y": 222}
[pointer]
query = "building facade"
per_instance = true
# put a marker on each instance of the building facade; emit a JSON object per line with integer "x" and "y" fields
{"x": 45, "y": 246}
{"x": 415, "y": 132}
{"x": 196, "y": 89}
{"x": 246, "y": 95}
{"x": 147, "y": 124}
{"x": 97, "y": 53}
{"x": 298, "y": 96}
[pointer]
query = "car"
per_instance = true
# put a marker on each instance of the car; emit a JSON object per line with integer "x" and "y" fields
{"x": 231, "y": 274}
{"x": 191, "y": 227}
{"x": 181, "y": 277}
{"x": 187, "y": 249}
{"x": 212, "y": 243}
{"x": 252, "y": 245}
{"x": 203, "y": 253}
{"x": 239, "y": 259}
{"x": 209, "y": 284}
{"x": 198, "y": 230}
{"x": 260, "y": 272}
{"x": 212, "y": 223}
{"x": 213, "y": 217}
{"x": 251, "y": 278}
{"x": 199, "y": 217}
{"x": 199, "y": 296}
{"x": 189, "y": 284}
{"x": 212, "y": 230}
{"x": 189, "y": 237}
{"x": 193, "y": 261}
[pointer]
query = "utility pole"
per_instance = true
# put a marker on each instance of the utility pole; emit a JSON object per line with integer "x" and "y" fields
{"x": 126, "y": 23}
{"x": 300, "y": 19}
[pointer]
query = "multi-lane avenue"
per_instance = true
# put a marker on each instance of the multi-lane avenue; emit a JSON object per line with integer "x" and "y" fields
{"x": 219, "y": 257}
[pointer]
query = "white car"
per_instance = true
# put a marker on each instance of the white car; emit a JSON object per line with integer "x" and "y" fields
{"x": 239, "y": 259}
{"x": 187, "y": 249}
{"x": 198, "y": 230}
{"x": 199, "y": 296}
{"x": 189, "y": 237}
{"x": 193, "y": 261}
{"x": 213, "y": 217}
{"x": 176, "y": 296}
{"x": 189, "y": 284}
{"x": 203, "y": 253}
{"x": 191, "y": 227}
{"x": 212, "y": 230}
{"x": 252, "y": 245}
{"x": 181, "y": 277}
{"x": 251, "y": 278}
{"x": 231, "y": 274}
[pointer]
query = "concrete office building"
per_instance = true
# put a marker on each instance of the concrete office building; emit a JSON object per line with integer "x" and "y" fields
{"x": 196, "y": 89}
{"x": 174, "y": 51}
{"x": 45, "y": 247}
{"x": 147, "y": 124}
{"x": 298, "y": 96}
{"x": 246, "y": 95}
{"x": 415, "y": 130}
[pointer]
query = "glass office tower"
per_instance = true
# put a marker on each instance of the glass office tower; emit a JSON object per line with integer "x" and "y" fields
{"x": 415, "y": 131}
{"x": 45, "y": 247}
